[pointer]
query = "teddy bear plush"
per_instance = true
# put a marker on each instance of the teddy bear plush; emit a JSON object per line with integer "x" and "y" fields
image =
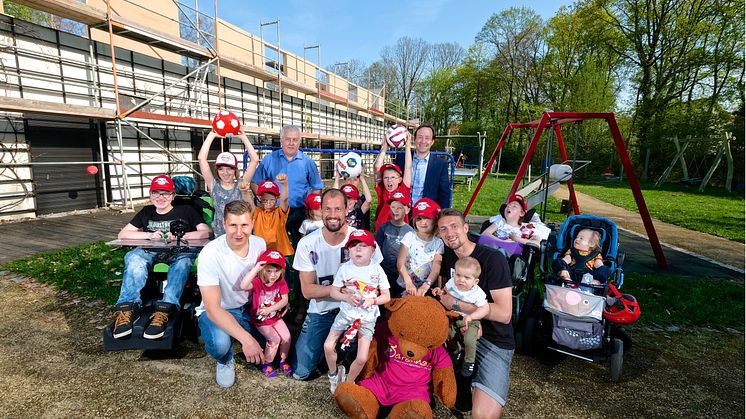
{"x": 407, "y": 363}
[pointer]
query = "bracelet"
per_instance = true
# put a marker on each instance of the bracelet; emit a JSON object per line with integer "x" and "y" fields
{"x": 429, "y": 283}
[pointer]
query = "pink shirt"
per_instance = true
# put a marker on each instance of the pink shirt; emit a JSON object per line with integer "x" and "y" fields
{"x": 262, "y": 296}
{"x": 397, "y": 378}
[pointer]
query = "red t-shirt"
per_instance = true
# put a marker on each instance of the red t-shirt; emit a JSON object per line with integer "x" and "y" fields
{"x": 383, "y": 212}
{"x": 265, "y": 296}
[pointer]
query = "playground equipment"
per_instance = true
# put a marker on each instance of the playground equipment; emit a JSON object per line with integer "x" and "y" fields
{"x": 723, "y": 149}
{"x": 553, "y": 121}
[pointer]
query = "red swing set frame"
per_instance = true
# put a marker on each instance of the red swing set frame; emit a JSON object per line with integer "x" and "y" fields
{"x": 554, "y": 120}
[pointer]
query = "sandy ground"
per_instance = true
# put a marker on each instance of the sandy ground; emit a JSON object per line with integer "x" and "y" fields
{"x": 52, "y": 364}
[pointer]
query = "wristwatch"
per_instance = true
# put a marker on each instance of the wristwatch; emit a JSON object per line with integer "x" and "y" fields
{"x": 456, "y": 306}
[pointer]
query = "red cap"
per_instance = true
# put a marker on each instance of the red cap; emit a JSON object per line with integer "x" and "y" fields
{"x": 162, "y": 183}
{"x": 519, "y": 199}
{"x": 313, "y": 201}
{"x": 272, "y": 257}
{"x": 388, "y": 166}
{"x": 364, "y": 236}
{"x": 425, "y": 207}
{"x": 226, "y": 159}
{"x": 268, "y": 187}
{"x": 398, "y": 196}
{"x": 350, "y": 191}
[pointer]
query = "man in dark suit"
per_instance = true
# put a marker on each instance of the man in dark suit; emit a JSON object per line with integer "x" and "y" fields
{"x": 430, "y": 177}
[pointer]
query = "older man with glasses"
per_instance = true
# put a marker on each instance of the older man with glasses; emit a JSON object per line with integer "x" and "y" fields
{"x": 153, "y": 222}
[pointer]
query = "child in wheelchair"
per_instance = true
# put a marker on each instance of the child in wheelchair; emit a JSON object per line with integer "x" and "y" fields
{"x": 583, "y": 263}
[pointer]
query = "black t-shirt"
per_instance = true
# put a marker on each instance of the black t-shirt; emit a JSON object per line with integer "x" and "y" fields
{"x": 356, "y": 218}
{"x": 149, "y": 220}
{"x": 495, "y": 275}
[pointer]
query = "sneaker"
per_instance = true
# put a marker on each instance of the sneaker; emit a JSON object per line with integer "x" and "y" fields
{"x": 158, "y": 321}
{"x": 268, "y": 370}
{"x": 468, "y": 369}
{"x": 286, "y": 369}
{"x": 341, "y": 374}
{"x": 125, "y": 314}
{"x": 225, "y": 374}
{"x": 332, "y": 382}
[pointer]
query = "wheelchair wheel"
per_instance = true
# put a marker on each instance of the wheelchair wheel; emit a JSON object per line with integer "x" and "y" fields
{"x": 529, "y": 335}
{"x": 617, "y": 359}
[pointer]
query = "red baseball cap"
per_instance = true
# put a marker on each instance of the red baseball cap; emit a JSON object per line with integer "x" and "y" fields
{"x": 350, "y": 191}
{"x": 425, "y": 207}
{"x": 519, "y": 199}
{"x": 226, "y": 159}
{"x": 364, "y": 236}
{"x": 388, "y": 166}
{"x": 272, "y": 257}
{"x": 162, "y": 183}
{"x": 268, "y": 187}
{"x": 313, "y": 201}
{"x": 403, "y": 198}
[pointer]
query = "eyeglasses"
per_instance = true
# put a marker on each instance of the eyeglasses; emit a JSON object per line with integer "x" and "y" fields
{"x": 391, "y": 178}
{"x": 162, "y": 194}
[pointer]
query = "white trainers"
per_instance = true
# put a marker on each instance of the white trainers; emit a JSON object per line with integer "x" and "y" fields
{"x": 332, "y": 382}
{"x": 225, "y": 374}
{"x": 341, "y": 374}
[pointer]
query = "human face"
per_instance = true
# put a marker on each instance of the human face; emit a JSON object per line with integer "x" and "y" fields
{"x": 290, "y": 143}
{"x": 351, "y": 204}
{"x": 465, "y": 278}
{"x": 237, "y": 229}
{"x": 391, "y": 179}
{"x": 423, "y": 141}
{"x": 514, "y": 211}
{"x": 398, "y": 211}
{"x": 453, "y": 231}
{"x": 226, "y": 174}
{"x": 334, "y": 213}
{"x": 268, "y": 201}
{"x": 361, "y": 253}
{"x": 424, "y": 225}
{"x": 162, "y": 200}
{"x": 271, "y": 274}
{"x": 583, "y": 240}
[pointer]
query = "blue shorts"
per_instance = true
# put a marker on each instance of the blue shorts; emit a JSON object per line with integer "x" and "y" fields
{"x": 493, "y": 373}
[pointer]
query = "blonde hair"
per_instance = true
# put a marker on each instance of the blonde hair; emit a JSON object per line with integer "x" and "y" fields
{"x": 467, "y": 262}
{"x": 595, "y": 242}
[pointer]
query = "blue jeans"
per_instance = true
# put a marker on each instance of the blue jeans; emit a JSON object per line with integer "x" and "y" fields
{"x": 218, "y": 344}
{"x": 137, "y": 265}
{"x": 309, "y": 347}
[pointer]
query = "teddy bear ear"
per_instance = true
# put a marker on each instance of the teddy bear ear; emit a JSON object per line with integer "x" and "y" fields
{"x": 395, "y": 304}
{"x": 452, "y": 315}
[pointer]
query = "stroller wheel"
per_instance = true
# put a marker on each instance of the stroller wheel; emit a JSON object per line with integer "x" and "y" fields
{"x": 617, "y": 359}
{"x": 529, "y": 335}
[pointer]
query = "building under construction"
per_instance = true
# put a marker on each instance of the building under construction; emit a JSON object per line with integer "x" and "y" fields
{"x": 133, "y": 93}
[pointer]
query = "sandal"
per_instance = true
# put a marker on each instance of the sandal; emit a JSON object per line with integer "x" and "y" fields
{"x": 268, "y": 370}
{"x": 285, "y": 368}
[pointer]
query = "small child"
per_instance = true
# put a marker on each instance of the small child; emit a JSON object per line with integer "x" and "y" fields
{"x": 362, "y": 280}
{"x": 313, "y": 219}
{"x": 421, "y": 252}
{"x": 270, "y": 219}
{"x": 463, "y": 286}
{"x": 510, "y": 225}
{"x": 389, "y": 237}
{"x": 390, "y": 178}
{"x": 355, "y": 209}
{"x": 268, "y": 293}
{"x": 583, "y": 263}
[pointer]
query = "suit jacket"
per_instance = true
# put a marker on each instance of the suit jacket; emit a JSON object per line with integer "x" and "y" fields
{"x": 437, "y": 180}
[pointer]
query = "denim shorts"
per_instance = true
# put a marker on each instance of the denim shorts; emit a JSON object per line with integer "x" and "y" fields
{"x": 343, "y": 322}
{"x": 493, "y": 373}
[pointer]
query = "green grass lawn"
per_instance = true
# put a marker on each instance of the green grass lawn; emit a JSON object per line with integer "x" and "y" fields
{"x": 714, "y": 211}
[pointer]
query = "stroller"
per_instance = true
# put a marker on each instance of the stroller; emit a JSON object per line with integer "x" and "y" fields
{"x": 582, "y": 320}
{"x": 522, "y": 261}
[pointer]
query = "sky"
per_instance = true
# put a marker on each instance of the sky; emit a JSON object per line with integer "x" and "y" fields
{"x": 346, "y": 29}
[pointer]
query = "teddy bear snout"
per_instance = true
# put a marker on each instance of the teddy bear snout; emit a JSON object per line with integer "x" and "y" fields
{"x": 410, "y": 354}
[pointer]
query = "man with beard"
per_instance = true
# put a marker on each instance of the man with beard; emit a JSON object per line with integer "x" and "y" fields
{"x": 317, "y": 258}
{"x": 489, "y": 388}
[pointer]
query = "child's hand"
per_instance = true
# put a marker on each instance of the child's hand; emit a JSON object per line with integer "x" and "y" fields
{"x": 565, "y": 275}
{"x": 438, "y": 291}
{"x": 422, "y": 290}
{"x": 369, "y": 302}
{"x": 411, "y": 289}
{"x": 598, "y": 263}
{"x": 567, "y": 259}
{"x": 264, "y": 312}
{"x": 384, "y": 145}
{"x": 282, "y": 178}
{"x": 244, "y": 186}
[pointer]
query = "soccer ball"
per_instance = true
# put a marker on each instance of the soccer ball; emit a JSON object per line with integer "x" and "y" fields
{"x": 396, "y": 135}
{"x": 226, "y": 124}
{"x": 350, "y": 165}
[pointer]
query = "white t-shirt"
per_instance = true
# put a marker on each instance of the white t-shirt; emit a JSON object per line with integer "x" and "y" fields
{"x": 525, "y": 230}
{"x": 309, "y": 226}
{"x": 474, "y": 296}
{"x": 364, "y": 281}
{"x": 420, "y": 257}
{"x": 218, "y": 265}
{"x": 314, "y": 254}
